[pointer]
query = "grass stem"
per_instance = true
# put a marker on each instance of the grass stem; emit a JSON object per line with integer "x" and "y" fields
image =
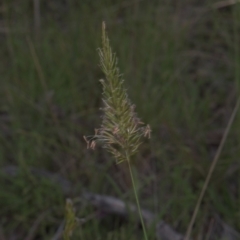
{"x": 137, "y": 199}
{"x": 212, "y": 167}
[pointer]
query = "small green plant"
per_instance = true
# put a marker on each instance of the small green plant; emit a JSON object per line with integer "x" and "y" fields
{"x": 70, "y": 219}
{"x": 121, "y": 129}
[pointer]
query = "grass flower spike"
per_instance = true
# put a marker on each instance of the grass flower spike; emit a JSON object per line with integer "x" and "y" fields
{"x": 121, "y": 129}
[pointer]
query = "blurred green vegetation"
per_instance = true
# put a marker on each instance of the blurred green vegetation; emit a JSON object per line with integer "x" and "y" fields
{"x": 181, "y": 63}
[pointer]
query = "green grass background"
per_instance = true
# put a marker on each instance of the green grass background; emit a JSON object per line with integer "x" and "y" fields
{"x": 180, "y": 61}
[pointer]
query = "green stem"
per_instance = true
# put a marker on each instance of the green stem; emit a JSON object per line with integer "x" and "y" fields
{"x": 137, "y": 200}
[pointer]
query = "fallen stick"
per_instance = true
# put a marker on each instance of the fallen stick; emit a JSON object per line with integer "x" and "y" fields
{"x": 224, "y": 3}
{"x": 112, "y": 205}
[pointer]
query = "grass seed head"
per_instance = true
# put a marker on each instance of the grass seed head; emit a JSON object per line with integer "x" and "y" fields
{"x": 121, "y": 129}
